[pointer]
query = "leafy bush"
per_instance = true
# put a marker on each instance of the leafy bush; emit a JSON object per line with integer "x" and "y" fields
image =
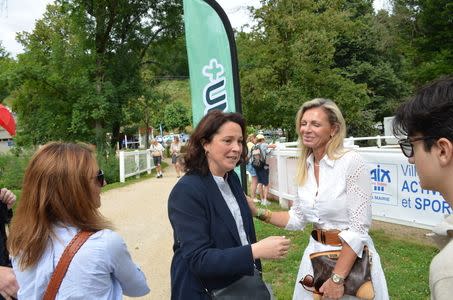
{"x": 109, "y": 163}
{"x": 12, "y": 169}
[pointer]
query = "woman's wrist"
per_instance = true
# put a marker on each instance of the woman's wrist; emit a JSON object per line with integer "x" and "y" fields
{"x": 253, "y": 247}
{"x": 263, "y": 214}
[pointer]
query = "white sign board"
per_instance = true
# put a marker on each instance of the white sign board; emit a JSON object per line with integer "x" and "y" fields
{"x": 396, "y": 193}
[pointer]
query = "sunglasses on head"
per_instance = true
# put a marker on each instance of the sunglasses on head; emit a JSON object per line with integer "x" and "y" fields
{"x": 406, "y": 144}
{"x": 100, "y": 178}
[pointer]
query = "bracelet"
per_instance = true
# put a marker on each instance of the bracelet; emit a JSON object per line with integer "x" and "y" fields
{"x": 264, "y": 214}
{"x": 260, "y": 212}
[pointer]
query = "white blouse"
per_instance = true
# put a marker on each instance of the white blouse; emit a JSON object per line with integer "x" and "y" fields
{"x": 233, "y": 205}
{"x": 341, "y": 201}
{"x": 102, "y": 269}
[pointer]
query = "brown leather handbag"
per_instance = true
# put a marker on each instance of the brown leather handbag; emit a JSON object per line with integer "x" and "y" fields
{"x": 358, "y": 283}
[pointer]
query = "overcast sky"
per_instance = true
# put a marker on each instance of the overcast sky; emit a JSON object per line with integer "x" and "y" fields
{"x": 20, "y": 15}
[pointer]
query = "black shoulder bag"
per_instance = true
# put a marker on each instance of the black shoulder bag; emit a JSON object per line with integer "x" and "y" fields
{"x": 245, "y": 288}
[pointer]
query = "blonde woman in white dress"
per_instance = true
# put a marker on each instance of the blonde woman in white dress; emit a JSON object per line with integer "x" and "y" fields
{"x": 334, "y": 193}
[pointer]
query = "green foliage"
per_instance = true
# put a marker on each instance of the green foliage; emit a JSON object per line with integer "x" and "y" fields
{"x": 86, "y": 64}
{"x": 177, "y": 112}
{"x": 6, "y": 66}
{"x": 13, "y": 166}
{"x": 12, "y": 169}
{"x": 83, "y": 64}
{"x": 300, "y": 50}
{"x": 109, "y": 163}
{"x": 424, "y": 32}
{"x": 177, "y": 90}
{"x": 176, "y": 116}
{"x": 140, "y": 111}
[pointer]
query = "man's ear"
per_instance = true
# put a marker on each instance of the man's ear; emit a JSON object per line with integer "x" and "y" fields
{"x": 445, "y": 148}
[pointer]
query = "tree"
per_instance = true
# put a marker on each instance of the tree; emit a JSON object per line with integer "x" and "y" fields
{"x": 82, "y": 64}
{"x": 306, "y": 49}
{"x": 426, "y": 31}
{"x": 6, "y": 66}
{"x": 140, "y": 111}
{"x": 176, "y": 116}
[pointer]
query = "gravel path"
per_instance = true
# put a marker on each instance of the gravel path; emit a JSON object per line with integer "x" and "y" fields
{"x": 139, "y": 214}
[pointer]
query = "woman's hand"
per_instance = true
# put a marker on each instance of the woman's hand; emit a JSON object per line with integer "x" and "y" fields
{"x": 8, "y": 283}
{"x": 7, "y": 197}
{"x": 332, "y": 290}
{"x": 251, "y": 205}
{"x": 274, "y": 247}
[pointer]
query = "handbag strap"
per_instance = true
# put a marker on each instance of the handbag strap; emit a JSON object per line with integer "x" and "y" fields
{"x": 63, "y": 264}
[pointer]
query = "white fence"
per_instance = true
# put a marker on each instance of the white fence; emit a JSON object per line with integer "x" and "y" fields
{"x": 396, "y": 192}
{"x": 132, "y": 163}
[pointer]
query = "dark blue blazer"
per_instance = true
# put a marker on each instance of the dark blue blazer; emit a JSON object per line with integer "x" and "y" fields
{"x": 207, "y": 248}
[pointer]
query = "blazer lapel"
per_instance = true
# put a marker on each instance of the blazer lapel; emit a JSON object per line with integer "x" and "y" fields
{"x": 216, "y": 198}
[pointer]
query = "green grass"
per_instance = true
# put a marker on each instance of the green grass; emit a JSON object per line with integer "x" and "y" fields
{"x": 405, "y": 263}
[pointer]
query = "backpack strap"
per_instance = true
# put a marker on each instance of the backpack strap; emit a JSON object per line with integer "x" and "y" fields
{"x": 63, "y": 264}
{"x": 262, "y": 153}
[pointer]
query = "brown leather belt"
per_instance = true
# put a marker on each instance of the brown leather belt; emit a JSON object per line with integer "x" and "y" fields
{"x": 327, "y": 237}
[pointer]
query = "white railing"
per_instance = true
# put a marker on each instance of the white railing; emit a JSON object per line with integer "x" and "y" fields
{"x": 133, "y": 163}
{"x": 396, "y": 193}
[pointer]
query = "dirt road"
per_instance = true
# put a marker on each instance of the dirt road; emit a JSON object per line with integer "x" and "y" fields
{"x": 139, "y": 214}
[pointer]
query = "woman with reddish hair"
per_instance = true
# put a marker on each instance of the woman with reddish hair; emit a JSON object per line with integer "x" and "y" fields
{"x": 60, "y": 198}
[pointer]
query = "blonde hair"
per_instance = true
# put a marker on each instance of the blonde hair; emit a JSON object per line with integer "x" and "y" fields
{"x": 334, "y": 149}
{"x": 58, "y": 188}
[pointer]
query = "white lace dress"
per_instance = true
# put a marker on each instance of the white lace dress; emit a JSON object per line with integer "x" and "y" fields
{"x": 341, "y": 201}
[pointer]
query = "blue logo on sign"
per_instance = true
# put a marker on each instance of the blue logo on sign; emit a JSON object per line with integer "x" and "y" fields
{"x": 214, "y": 93}
{"x": 381, "y": 178}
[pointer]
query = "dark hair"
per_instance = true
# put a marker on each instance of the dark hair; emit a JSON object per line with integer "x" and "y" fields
{"x": 428, "y": 113}
{"x": 195, "y": 158}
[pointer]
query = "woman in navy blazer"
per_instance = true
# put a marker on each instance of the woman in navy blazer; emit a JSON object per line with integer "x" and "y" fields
{"x": 214, "y": 236}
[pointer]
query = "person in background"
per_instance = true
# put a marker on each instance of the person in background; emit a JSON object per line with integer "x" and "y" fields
{"x": 426, "y": 123}
{"x": 157, "y": 152}
{"x": 334, "y": 194}
{"x": 60, "y": 198}
{"x": 262, "y": 173}
{"x": 8, "y": 283}
{"x": 254, "y": 184}
{"x": 175, "y": 149}
{"x": 214, "y": 236}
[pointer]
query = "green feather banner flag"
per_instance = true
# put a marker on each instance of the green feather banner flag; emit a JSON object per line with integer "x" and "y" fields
{"x": 213, "y": 67}
{"x": 211, "y": 50}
